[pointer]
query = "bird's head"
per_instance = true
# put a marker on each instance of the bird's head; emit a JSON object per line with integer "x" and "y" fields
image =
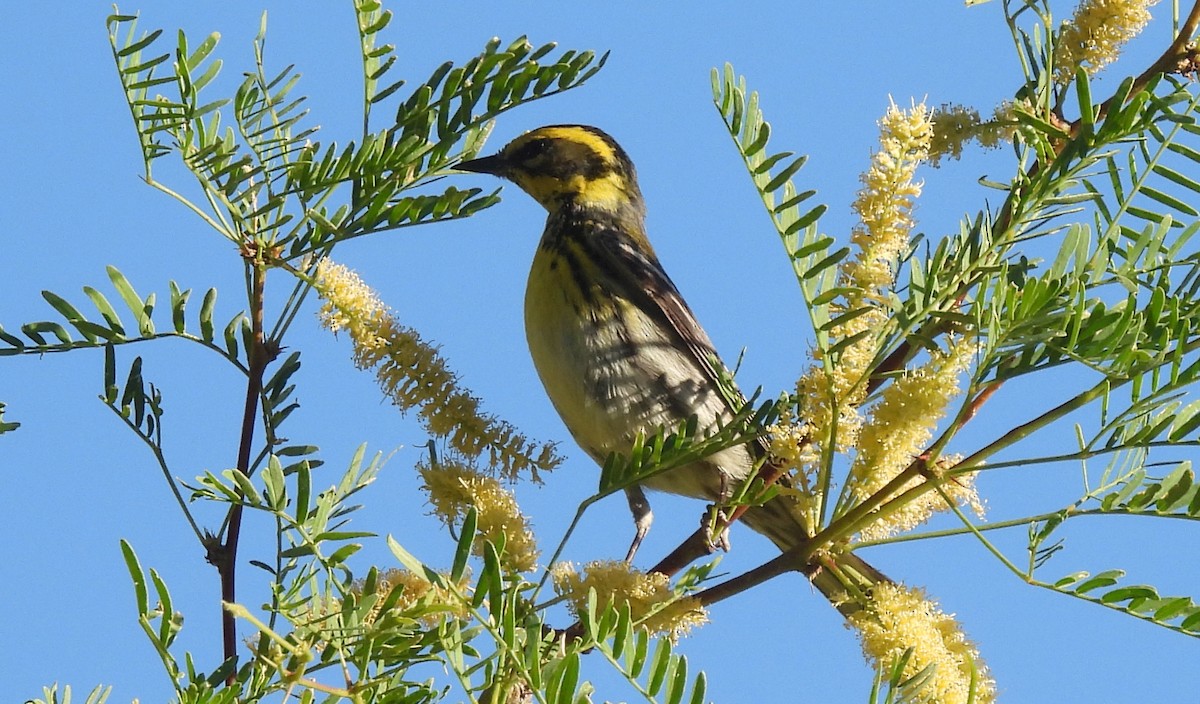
{"x": 567, "y": 166}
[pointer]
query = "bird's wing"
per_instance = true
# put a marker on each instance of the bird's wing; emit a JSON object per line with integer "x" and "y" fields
{"x": 660, "y": 299}
{"x": 657, "y": 296}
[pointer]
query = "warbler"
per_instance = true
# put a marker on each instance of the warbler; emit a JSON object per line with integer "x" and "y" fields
{"x": 616, "y": 346}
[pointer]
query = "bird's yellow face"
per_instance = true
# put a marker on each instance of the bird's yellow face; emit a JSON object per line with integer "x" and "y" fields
{"x": 566, "y": 165}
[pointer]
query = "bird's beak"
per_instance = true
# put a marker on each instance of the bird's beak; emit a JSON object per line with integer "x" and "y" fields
{"x": 494, "y": 165}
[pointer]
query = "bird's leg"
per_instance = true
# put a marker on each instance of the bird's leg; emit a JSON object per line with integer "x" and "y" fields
{"x": 639, "y": 506}
{"x": 717, "y": 540}
{"x": 715, "y": 516}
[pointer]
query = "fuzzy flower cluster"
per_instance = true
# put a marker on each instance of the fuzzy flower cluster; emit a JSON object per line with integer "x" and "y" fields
{"x": 790, "y": 448}
{"x": 885, "y": 203}
{"x": 897, "y": 618}
{"x": 413, "y": 375}
{"x": 832, "y": 392}
{"x": 959, "y": 491}
{"x": 790, "y": 444}
{"x": 649, "y": 597}
{"x": 324, "y": 619}
{"x": 1094, "y": 36}
{"x": 956, "y": 125}
{"x": 899, "y": 426}
{"x": 415, "y": 596}
{"x": 454, "y": 489}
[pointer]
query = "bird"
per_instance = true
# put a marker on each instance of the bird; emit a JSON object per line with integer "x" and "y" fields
{"x": 617, "y": 348}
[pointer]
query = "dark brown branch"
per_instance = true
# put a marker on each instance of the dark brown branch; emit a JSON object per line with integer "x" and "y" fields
{"x": 694, "y": 547}
{"x": 787, "y": 562}
{"x": 257, "y": 360}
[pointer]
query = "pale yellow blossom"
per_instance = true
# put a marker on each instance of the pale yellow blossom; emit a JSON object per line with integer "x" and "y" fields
{"x": 896, "y": 618}
{"x": 649, "y": 597}
{"x": 790, "y": 448}
{"x": 417, "y": 597}
{"x": 898, "y": 429}
{"x": 885, "y": 203}
{"x": 413, "y": 374}
{"x": 956, "y": 125}
{"x": 454, "y": 488}
{"x": 790, "y": 444}
{"x": 960, "y": 490}
{"x": 831, "y": 393}
{"x": 831, "y": 390}
{"x": 953, "y": 127}
{"x": 1094, "y": 36}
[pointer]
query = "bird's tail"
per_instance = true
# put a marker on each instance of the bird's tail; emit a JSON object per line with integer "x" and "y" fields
{"x": 838, "y": 577}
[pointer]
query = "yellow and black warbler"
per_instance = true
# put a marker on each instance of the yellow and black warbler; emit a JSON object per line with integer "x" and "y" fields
{"x": 616, "y": 346}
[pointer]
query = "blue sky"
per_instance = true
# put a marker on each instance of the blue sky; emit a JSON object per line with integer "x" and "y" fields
{"x": 72, "y": 202}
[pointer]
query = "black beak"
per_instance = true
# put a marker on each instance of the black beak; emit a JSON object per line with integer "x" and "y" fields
{"x": 493, "y": 165}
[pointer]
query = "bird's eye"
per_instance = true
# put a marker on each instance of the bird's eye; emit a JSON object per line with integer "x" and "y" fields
{"x": 532, "y": 151}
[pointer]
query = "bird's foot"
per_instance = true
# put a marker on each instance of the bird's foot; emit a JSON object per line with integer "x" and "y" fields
{"x": 716, "y": 525}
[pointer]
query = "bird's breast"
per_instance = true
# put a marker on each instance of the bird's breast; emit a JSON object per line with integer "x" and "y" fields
{"x": 612, "y": 370}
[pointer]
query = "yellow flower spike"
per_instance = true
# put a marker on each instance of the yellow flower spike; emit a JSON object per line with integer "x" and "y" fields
{"x": 898, "y": 429}
{"x": 415, "y": 589}
{"x": 897, "y": 617}
{"x": 649, "y": 596}
{"x": 884, "y": 206}
{"x": 454, "y": 489}
{"x": 1095, "y": 35}
{"x": 413, "y": 374}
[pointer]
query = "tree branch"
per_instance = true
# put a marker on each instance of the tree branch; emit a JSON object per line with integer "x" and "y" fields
{"x": 257, "y": 360}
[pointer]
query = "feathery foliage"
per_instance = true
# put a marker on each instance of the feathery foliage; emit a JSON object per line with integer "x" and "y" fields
{"x": 1087, "y": 264}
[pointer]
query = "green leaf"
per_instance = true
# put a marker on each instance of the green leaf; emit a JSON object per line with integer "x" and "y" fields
{"x": 206, "y": 315}
{"x": 341, "y": 535}
{"x": 1176, "y": 486}
{"x": 1129, "y": 594}
{"x": 1083, "y": 94}
{"x": 249, "y": 492}
{"x": 142, "y": 43}
{"x": 785, "y": 174}
{"x": 67, "y": 310}
{"x": 34, "y": 332}
{"x": 466, "y": 540}
{"x": 274, "y": 486}
{"x": 303, "y": 550}
{"x": 141, "y": 594}
{"x": 168, "y": 626}
{"x": 231, "y": 336}
{"x": 141, "y": 309}
{"x": 806, "y": 219}
{"x": 110, "y": 376}
{"x": 343, "y": 553}
{"x": 13, "y": 341}
{"x": 1170, "y": 201}
{"x": 1140, "y": 601}
{"x": 178, "y": 307}
{"x": 699, "y": 689}
{"x": 1176, "y": 177}
{"x": 406, "y": 559}
{"x": 827, "y": 262}
{"x": 660, "y": 666}
{"x": 1173, "y": 608}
